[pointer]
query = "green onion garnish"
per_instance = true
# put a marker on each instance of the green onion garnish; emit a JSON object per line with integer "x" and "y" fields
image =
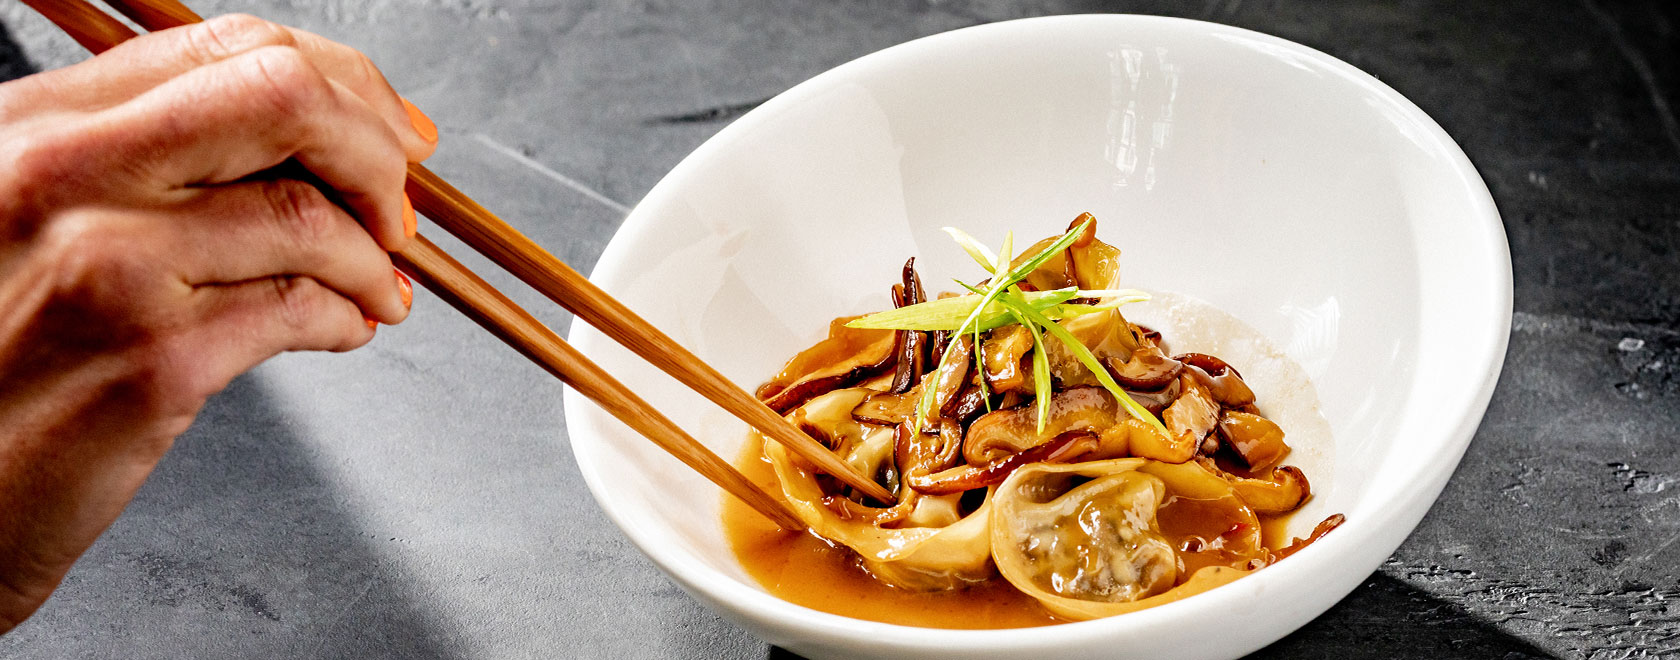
{"x": 1000, "y": 303}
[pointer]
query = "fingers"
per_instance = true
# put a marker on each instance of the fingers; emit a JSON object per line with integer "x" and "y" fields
{"x": 227, "y": 120}
{"x": 243, "y": 231}
{"x": 141, "y": 64}
{"x": 244, "y": 324}
{"x": 350, "y": 68}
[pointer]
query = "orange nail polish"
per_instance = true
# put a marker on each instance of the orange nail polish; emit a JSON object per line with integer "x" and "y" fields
{"x": 371, "y": 323}
{"x": 410, "y": 223}
{"x": 422, "y": 124}
{"x": 406, "y": 289}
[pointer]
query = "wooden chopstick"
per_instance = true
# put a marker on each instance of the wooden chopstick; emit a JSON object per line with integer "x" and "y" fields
{"x": 93, "y": 29}
{"x": 488, "y": 234}
{"x": 465, "y": 291}
{"x": 491, "y": 236}
{"x": 165, "y": 15}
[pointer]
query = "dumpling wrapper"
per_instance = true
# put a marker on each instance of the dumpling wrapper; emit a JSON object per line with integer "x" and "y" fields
{"x": 1096, "y": 265}
{"x": 1096, "y": 548}
{"x": 933, "y": 551}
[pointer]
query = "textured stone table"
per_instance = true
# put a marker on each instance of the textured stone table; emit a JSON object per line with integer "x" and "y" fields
{"x": 417, "y": 498}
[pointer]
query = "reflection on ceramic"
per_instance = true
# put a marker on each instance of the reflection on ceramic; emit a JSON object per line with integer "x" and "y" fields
{"x": 1285, "y": 187}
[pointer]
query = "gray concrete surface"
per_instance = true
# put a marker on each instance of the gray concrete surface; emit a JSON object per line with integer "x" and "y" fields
{"x": 418, "y": 499}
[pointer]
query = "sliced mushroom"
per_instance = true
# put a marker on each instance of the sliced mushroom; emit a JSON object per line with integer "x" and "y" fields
{"x": 1279, "y": 490}
{"x": 1193, "y": 415}
{"x": 963, "y": 408}
{"x": 887, "y": 408}
{"x": 1147, "y": 370}
{"x": 954, "y": 373}
{"x": 1011, "y": 431}
{"x": 937, "y": 341}
{"x": 1221, "y": 379}
{"x": 1004, "y": 356}
{"x": 915, "y": 455}
{"x": 909, "y": 344}
{"x": 1090, "y": 233}
{"x": 1212, "y": 364}
{"x": 1064, "y": 447}
{"x": 1147, "y": 333}
{"x": 847, "y": 356}
{"x": 921, "y": 454}
{"x": 1157, "y": 401}
{"x": 1257, "y": 440}
{"x": 891, "y": 408}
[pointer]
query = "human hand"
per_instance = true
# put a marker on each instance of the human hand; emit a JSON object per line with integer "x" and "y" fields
{"x": 151, "y": 250}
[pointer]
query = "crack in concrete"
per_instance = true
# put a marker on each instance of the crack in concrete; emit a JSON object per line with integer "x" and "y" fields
{"x": 1642, "y": 68}
{"x": 550, "y": 173}
{"x": 1547, "y": 324}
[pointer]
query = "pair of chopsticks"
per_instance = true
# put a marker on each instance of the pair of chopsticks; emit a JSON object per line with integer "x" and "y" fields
{"x": 471, "y": 295}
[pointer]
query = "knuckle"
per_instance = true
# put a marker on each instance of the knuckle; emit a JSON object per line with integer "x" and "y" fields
{"x": 101, "y": 290}
{"x": 308, "y": 220}
{"x": 297, "y": 301}
{"x": 40, "y": 161}
{"x": 88, "y": 250}
{"x": 363, "y": 71}
{"x": 316, "y": 315}
{"x": 286, "y": 82}
{"x": 224, "y": 36}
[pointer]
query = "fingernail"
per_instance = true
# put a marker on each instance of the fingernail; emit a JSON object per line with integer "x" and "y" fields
{"x": 406, "y": 289}
{"x": 422, "y": 124}
{"x": 410, "y": 223}
{"x": 371, "y": 323}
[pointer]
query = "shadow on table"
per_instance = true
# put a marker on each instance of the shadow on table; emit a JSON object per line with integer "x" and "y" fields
{"x": 13, "y": 64}
{"x": 1388, "y": 618}
{"x": 1384, "y": 618}
{"x": 241, "y": 544}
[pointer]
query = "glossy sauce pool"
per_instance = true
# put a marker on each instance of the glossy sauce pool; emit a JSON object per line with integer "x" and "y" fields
{"x": 804, "y": 570}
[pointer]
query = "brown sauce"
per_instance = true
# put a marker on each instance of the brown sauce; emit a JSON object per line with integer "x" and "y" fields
{"x": 1185, "y": 521}
{"x": 805, "y": 570}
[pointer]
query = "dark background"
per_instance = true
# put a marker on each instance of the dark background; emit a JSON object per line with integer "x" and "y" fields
{"x": 417, "y": 498}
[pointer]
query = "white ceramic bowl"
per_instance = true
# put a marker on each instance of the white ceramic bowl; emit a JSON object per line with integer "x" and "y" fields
{"x": 1282, "y": 185}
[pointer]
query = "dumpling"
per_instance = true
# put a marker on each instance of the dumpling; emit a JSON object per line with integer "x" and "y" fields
{"x": 923, "y": 542}
{"x": 1102, "y": 538}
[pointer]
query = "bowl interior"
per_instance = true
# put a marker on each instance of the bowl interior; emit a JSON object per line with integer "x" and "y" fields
{"x": 1285, "y": 187}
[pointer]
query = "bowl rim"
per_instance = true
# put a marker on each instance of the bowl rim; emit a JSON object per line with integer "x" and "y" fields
{"x": 1488, "y": 345}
